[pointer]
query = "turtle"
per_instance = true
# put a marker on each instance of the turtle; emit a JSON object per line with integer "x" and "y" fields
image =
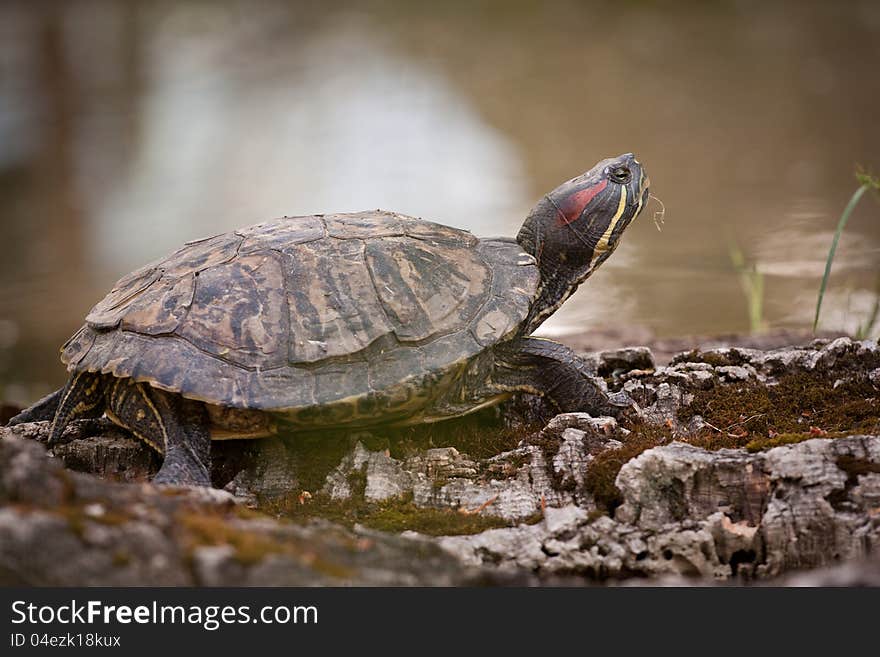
{"x": 343, "y": 320}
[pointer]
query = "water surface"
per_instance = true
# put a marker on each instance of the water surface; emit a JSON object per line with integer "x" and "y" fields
{"x": 128, "y": 128}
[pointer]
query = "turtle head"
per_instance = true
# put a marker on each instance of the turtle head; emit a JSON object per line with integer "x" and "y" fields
{"x": 574, "y": 228}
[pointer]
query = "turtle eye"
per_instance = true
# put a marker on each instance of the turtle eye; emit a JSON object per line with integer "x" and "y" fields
{"x": 620, "y": 175}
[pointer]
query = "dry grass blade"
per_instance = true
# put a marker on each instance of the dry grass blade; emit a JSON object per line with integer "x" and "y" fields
{"x": 659, "y": 215}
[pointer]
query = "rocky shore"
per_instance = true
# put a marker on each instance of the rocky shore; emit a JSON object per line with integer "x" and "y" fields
{"x": 747, "y": 466}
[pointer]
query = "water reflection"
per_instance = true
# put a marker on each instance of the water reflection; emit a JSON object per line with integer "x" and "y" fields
{"x": 127, "y": 128}
{"x": 354, "y": 126}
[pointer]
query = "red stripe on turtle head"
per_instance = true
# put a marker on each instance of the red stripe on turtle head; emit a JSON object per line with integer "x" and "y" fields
{"x": 573, "y": 205}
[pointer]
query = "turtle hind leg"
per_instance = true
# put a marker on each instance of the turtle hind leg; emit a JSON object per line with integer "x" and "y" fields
{"x": 83, "y": 396}
{"x": 175, "y": 427}
{"x": 44, "y": 409}
{"x": 187, "y": 441}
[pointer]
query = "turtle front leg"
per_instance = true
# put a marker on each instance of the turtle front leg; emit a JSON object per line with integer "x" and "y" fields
{"x": 176, "y": 427}
{"x": 554, "y": 371}
{"x": 81, "y": 398}
{"x": 44, "y": 409}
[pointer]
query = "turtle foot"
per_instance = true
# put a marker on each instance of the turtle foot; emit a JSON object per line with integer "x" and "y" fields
{"x": 182, "y": 472}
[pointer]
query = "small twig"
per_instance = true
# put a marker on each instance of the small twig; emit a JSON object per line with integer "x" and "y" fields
{"x": 748, "y": 419}
{"x": 479, "y": 508}
{"x": 712, "y": 426}
{"x": 726, "y": 431}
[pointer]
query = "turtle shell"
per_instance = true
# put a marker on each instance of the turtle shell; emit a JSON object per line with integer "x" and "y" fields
{"x": 345, "y": 317}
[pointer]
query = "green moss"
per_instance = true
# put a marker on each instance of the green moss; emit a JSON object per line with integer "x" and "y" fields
{"x": 209, "y": 529}
{"x": 750, "y": 416}
{"x": 244, "y": 513}
{"x": 753, "y": 416}
{"x": 398, "y": 517}
{"x": 373, "y": 442}
{"x": 121, "y": 558}
{"x": 395, "y": 515}
{"x": 173, "y": 492}
{"x": 249, "y": 546}
{"x": 68, "y": 487}
{"x": 762, "y": 444}
{"x": 602, "y": 471}
{"x": 479, "y": 435}
{"x": 317, "y": 454}
{"x": 111, "y": 518}
{"x": 357, "y": 482}
{"x": 77, "y": 518}
{"x": 595, "y": 514}
{"x": 792, "y": 406}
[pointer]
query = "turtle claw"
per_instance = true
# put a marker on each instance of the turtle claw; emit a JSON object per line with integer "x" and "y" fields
{"x": 44, "y": 409}
{"x": 182, "y": 467}
{"x": 625, "y": 409}
{"x": 182, "y": 474}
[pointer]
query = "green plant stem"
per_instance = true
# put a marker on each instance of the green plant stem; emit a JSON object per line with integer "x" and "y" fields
{"x": 756, "y": 305}
{"x": 864, "y": 330}
{"x": 752, "y": 283}
{"x": 844, "y": 218}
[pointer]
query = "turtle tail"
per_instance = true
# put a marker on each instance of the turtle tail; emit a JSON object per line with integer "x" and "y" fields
{"x": 83, "y": 396}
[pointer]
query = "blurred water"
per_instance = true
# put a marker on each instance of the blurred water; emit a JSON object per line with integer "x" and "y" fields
{"x": 127, "y": 128}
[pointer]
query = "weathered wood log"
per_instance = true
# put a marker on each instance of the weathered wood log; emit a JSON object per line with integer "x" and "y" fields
{"x": 584, "y": 497}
